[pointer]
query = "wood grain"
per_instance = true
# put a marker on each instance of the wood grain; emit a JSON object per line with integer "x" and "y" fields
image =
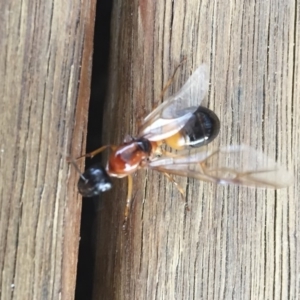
{"x": 45, "y": 79}
{"x": 234, "y": 242}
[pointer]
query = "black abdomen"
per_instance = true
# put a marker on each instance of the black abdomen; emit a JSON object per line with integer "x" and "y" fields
{"x": 202, "y": 128}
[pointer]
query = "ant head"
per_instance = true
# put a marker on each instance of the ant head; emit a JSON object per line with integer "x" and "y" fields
{"x": 94, "y": 181}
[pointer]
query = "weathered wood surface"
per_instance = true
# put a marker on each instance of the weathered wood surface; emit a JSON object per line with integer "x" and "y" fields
{"x": 45, "y": 79}
{"x": 235, "y": 242}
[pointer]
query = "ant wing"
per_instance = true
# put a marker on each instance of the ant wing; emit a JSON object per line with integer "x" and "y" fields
{"x": 170, "y": 116}
{"x": 240, "y": 164}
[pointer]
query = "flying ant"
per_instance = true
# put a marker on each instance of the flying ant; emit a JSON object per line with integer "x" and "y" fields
{"x": 182, "y": 124}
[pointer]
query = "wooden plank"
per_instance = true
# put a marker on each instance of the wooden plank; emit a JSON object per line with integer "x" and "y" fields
{"x": 45, "y": 80}
{"x": 234, "y": 242}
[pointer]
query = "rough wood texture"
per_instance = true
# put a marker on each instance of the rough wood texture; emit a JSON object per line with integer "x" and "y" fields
{"x": 45, "y": 78}
{"x": 235, "y": 242}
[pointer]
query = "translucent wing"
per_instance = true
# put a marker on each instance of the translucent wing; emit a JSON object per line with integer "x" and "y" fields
{"x": 169, "y": 117}
{"x": 239, "y": 164}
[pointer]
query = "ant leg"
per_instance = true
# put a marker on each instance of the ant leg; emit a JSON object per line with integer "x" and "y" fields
{"x": 128, "y": 201}
{"x": 160, "y": 151}
{"x": 169, "y": 82}
{"x": 179, "y": 188}
{"x": 97, "y": 151}
{"x": 172, "y": 154}
{"x": 202, "y": 164}
{"x": 168, "y": 153}
{"x": 166, "y": 86}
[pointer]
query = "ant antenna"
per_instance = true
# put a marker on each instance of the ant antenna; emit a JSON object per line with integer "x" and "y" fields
{"x": 72, "y": 161}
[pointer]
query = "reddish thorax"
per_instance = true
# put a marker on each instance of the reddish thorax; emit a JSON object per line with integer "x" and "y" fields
{"x": 127, "y": 158}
